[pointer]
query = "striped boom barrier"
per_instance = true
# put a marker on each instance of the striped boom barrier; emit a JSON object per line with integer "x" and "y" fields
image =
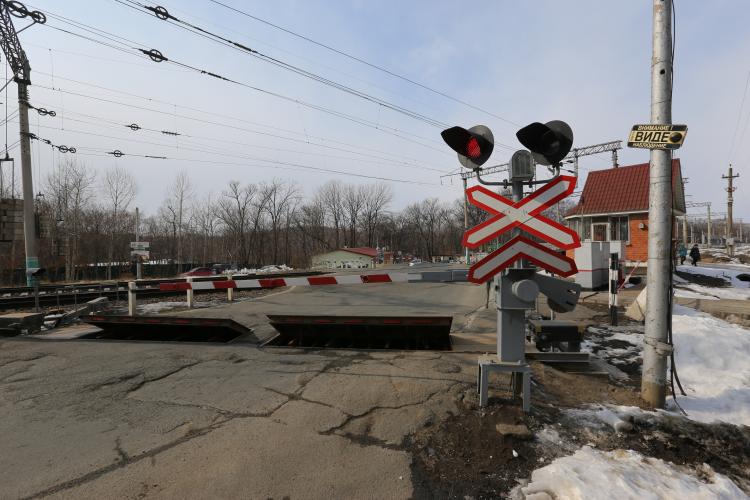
{"x": 302, "y": 281}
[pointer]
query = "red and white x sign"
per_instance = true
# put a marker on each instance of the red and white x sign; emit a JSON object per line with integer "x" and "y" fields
{"x": 524, "y": 214}
{"x": 521, "y": 248}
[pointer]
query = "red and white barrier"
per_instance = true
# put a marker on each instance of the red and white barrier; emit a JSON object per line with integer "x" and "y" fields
{"x": 344, "y": 279}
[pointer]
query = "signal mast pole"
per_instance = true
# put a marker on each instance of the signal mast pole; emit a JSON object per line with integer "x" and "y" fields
{"x": 19, "y": 64}
{"x": 656, "y": 348}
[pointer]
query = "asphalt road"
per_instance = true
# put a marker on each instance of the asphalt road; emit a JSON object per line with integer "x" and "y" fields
{"x": 98, "y": 419}
{"x": 464, "y": 301}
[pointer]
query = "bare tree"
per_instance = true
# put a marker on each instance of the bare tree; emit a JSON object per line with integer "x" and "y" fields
{"x": 119, "y": 189}
{"x": 69, "y": 190}
{"x": 428, "y": 219}
{"x": 331, "y": 195}
{"x": 176, "y": 207}
{"x": 237, "y": 211}
{"x": 278, "y": 196}
{"x": 354, "y": 201}
{"x": 206, "y": 225}
{"x": 376, "y": 199}
{"x": 311, "y": 225}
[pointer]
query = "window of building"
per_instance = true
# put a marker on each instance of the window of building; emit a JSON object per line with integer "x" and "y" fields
{"x": 619, "y": 229}
{"x": 600, "y": 231}
{"x": 585, "y": 232}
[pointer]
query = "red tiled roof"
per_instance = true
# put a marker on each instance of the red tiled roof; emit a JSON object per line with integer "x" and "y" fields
{"x": 370, "y": 252}
{"x": 622, "y": 189}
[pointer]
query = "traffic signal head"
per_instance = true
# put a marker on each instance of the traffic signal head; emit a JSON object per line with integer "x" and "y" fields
{"x": 474, "y": 146}
{"x": 549, "y": 142}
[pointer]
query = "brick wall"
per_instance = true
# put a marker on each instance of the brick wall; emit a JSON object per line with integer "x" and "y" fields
{"x": 638, "y": 247}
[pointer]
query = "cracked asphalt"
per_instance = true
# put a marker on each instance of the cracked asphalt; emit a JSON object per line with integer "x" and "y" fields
{"x": 94, "y": 419}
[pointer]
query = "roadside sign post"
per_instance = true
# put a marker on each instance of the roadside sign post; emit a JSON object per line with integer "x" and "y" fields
{"x": 517, "y": 284}
{"x": 139, "y": 250}
{"x": 138, "y": 263}
{"x": 132, "y": 304}
{"x": 614, "y": 275}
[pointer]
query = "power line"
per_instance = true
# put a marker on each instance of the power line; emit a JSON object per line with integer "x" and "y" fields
{"x": 163, "y": 14}
{"x": 135, "y": 127}
{"x": 294, "y": 166}
{"x": 157, "y": 56}
{"x": 739, "y": 119}
{"x": 199, "y": 120}
{"x": 360, "y": 60}
{"x": 234, "y": 118}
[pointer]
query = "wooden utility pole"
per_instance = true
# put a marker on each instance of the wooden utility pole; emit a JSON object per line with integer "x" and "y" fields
{"x": 730, "y": 201}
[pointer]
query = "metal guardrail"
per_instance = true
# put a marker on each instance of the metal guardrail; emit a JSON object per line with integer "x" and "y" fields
{"x": 64, "y": 294}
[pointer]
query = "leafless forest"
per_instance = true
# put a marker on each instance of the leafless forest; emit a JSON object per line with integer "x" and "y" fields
{"x": 88, "y": 217}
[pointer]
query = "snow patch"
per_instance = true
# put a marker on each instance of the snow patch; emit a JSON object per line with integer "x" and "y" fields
{"x": 727, "y": 274}
{"x": 620, "y": 346}
{"x": 623, "y": 474}
{"x": 157, "y": 307}
{"x": 713, "y": 362}
{"x": 696, "y": 291}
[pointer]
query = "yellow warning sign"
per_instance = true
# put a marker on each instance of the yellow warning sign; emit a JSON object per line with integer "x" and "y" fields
{"x": 657, "y": 136}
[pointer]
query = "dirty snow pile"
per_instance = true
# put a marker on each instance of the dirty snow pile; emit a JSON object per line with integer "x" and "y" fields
{"x": 730, "y": 275}
{"x": 696, "y": 291}
{"x": 158, "y": 307}
{"x": 738, "y": 289}
{"x": 618, "y": 345}
{"x": 623, "y": 474}
{"x": 713, "y": 362}
{"x": 262, "y": 270}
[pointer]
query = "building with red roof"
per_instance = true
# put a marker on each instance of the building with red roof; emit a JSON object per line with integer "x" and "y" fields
{"x": 614, "y": 207}
{"x": 346, "y": 258}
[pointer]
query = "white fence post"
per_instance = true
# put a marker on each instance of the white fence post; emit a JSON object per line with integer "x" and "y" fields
{"x": 131, "y": 298}
{"x": 230, "y": 291}
{"x": 190, "y": 301}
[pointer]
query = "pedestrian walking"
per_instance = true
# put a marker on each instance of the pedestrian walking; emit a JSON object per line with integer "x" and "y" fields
{"x": 682, "y": 252}
{"x": 695, "y": 255}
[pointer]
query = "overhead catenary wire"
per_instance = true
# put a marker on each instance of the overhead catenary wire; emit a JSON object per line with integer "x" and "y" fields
{"x": 113, "y": 124}
{"x": 294, "y": 166}
{"x": 163, "y": 14}
{"x": 234, "y": 127}
{"x": 367, "y": 63}
{"x": 159, "y": 57}
{"x": 307, "y": 135}
{"x": 156, "y": 56}
{"x": 739, "y": 119}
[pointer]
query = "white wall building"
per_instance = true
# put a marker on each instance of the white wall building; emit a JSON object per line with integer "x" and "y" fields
{"x": 346, "y": 258}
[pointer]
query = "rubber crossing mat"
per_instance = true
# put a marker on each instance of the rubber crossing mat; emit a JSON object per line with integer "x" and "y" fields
{"x": 363, "y": 332}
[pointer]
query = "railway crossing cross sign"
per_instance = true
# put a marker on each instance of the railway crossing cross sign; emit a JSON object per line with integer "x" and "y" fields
{"x": 521, "y": 248}
{"x": 526, "y": 215}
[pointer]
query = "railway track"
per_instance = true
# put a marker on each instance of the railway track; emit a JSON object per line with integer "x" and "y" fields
{"x": 59, "y": 295}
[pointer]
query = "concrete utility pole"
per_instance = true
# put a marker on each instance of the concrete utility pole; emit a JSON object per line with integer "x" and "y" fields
{"x": 656, "y": 349}
{"x": 29, "y": 220}
{"x": 18, "y": 62}
{"x": 730, "y": 201}
{"x": 709, "y": 224}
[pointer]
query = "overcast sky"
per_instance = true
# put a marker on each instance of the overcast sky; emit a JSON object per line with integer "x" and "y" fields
{"x": 585, "y": 62}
